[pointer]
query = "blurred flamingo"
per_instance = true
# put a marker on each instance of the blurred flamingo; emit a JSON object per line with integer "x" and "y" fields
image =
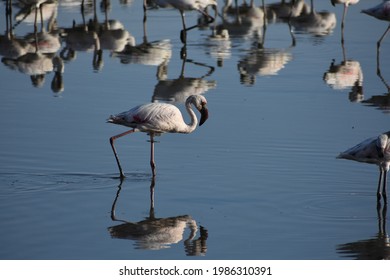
{"x": 382, "y": 12}
{"x": 346, "y": 3}
{"x": 186, "y": 5}
{"x": 158, "y": 118}
{"x": 375, "y": 150}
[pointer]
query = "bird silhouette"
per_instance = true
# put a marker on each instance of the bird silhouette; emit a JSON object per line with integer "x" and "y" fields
{"x": 382, "y": 12}
{"x": 375, "y": 150}
{"x": 158, "y": 118}
{"x": 183, "y": 6}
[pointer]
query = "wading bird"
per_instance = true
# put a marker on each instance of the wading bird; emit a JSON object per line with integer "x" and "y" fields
{"x": 375, "y": 150}
{"x": 158, "y": 118}
{"x": 346, "y": 3}
{"x": 186, "y": 5}
{"x": 382, "y": 12}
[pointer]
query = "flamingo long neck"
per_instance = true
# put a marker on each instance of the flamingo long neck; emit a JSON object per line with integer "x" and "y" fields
{"x": 194, "y": 120}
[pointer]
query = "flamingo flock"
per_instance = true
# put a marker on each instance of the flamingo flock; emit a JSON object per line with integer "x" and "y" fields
{"x": 157, "y": 118}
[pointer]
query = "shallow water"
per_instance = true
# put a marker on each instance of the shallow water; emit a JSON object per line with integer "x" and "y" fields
{"x": 259, "y": 180}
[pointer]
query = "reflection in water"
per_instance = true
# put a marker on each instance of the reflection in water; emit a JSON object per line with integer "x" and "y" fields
{"x": 375, "y": 150}
{"x": 382, "y": 102}
{"x": 376, "y": 248}
{"x": 158, "y": 118}
{"x": 246, "y": 22}
{"x": 37, "y": 65}
{"x": 262, "y": 62}
{"x": 35, "y": 54}
{"x": 178, "y": 90}
{"x": 219, "y": 45}
{"x": 94, "y": 36}
{"x": 156, "y": 53}
{"x": 159, "y": 233}
{"x": 284, "y": 11}
{"x": 29, "y": 10}
{"x": 347, "y": 74}
{"x": 316, "y": 23}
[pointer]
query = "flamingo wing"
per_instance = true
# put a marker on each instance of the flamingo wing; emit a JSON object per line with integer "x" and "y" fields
{"x": 151, "y": 117}
{"x": 366, "y": 151}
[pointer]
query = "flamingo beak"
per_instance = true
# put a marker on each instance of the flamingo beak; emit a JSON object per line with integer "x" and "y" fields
{"x": 204, "y": 115}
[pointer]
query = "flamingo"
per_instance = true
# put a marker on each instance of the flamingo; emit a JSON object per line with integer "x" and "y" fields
{"x": 158, "y": 118}
{"x": 382, "y": 12}
{"x": 186, "y": 5}
{"x": 375, "y": 150}
{"x": 346, "y": 4}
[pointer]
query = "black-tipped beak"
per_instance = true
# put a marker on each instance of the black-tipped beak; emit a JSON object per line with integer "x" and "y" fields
{"x": 204, "y": 115}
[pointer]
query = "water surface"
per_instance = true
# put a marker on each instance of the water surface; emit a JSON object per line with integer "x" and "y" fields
{"x": 259, "y": 180}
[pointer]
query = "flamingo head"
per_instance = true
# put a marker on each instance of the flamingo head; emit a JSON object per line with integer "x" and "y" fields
{"x": 383, "y": 144}
{"x": 200, "y": 104}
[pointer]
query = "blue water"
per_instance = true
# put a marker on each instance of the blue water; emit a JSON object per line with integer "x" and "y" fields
{"x": 259, "y": 180}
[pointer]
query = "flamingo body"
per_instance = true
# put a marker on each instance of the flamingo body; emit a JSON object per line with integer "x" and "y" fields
{"x": 375, "y": 150}
{"x": 381, "y": 11}
{"x": 344, "y": 2}
{"x": 157, "y": 118}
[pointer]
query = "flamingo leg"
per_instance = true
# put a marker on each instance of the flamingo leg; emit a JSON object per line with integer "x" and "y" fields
{"x": 378, "y": 192}
{"x": 383, "y": 36}
{"x": 145, "y": 19}
{"x": 112, "y": 139}
{"x": 384, "y": 191}
{"x": 152, "y": 163}
{"x": 151, "y": 211}
{"x": 343, "y": 23}
{"x": 183, "y": 32}
{"x": 378, "y": 46}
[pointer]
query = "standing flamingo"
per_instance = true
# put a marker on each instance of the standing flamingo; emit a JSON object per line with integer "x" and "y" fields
{"x": 157, "y": 118}
{"x": 346, "y": 4}
{"x": 183, "y": 6}
{"x": 382, "y": 12}
{"x": 375, "y": 150}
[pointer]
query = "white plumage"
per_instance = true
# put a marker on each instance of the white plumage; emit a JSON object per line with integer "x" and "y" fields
{"x": 157, "y": 118}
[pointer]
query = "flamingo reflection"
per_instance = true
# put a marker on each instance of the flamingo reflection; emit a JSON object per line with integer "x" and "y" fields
{"x": 247, "y": 20}
{"x": 381, "y": 102}
{"x": 178, "y": 90}
{"x": 35, "y": 54}
{"x": 347, "y": 74}
{"x": 375, "y": 248}
{"x": 159, "y": 233}
{"x": 262, "y": 62}
{"x": 29, "y": 10}
{"x": 313, "y": 22}
{"x": 375, "y": 150}
{"x": 95, "y": 36}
